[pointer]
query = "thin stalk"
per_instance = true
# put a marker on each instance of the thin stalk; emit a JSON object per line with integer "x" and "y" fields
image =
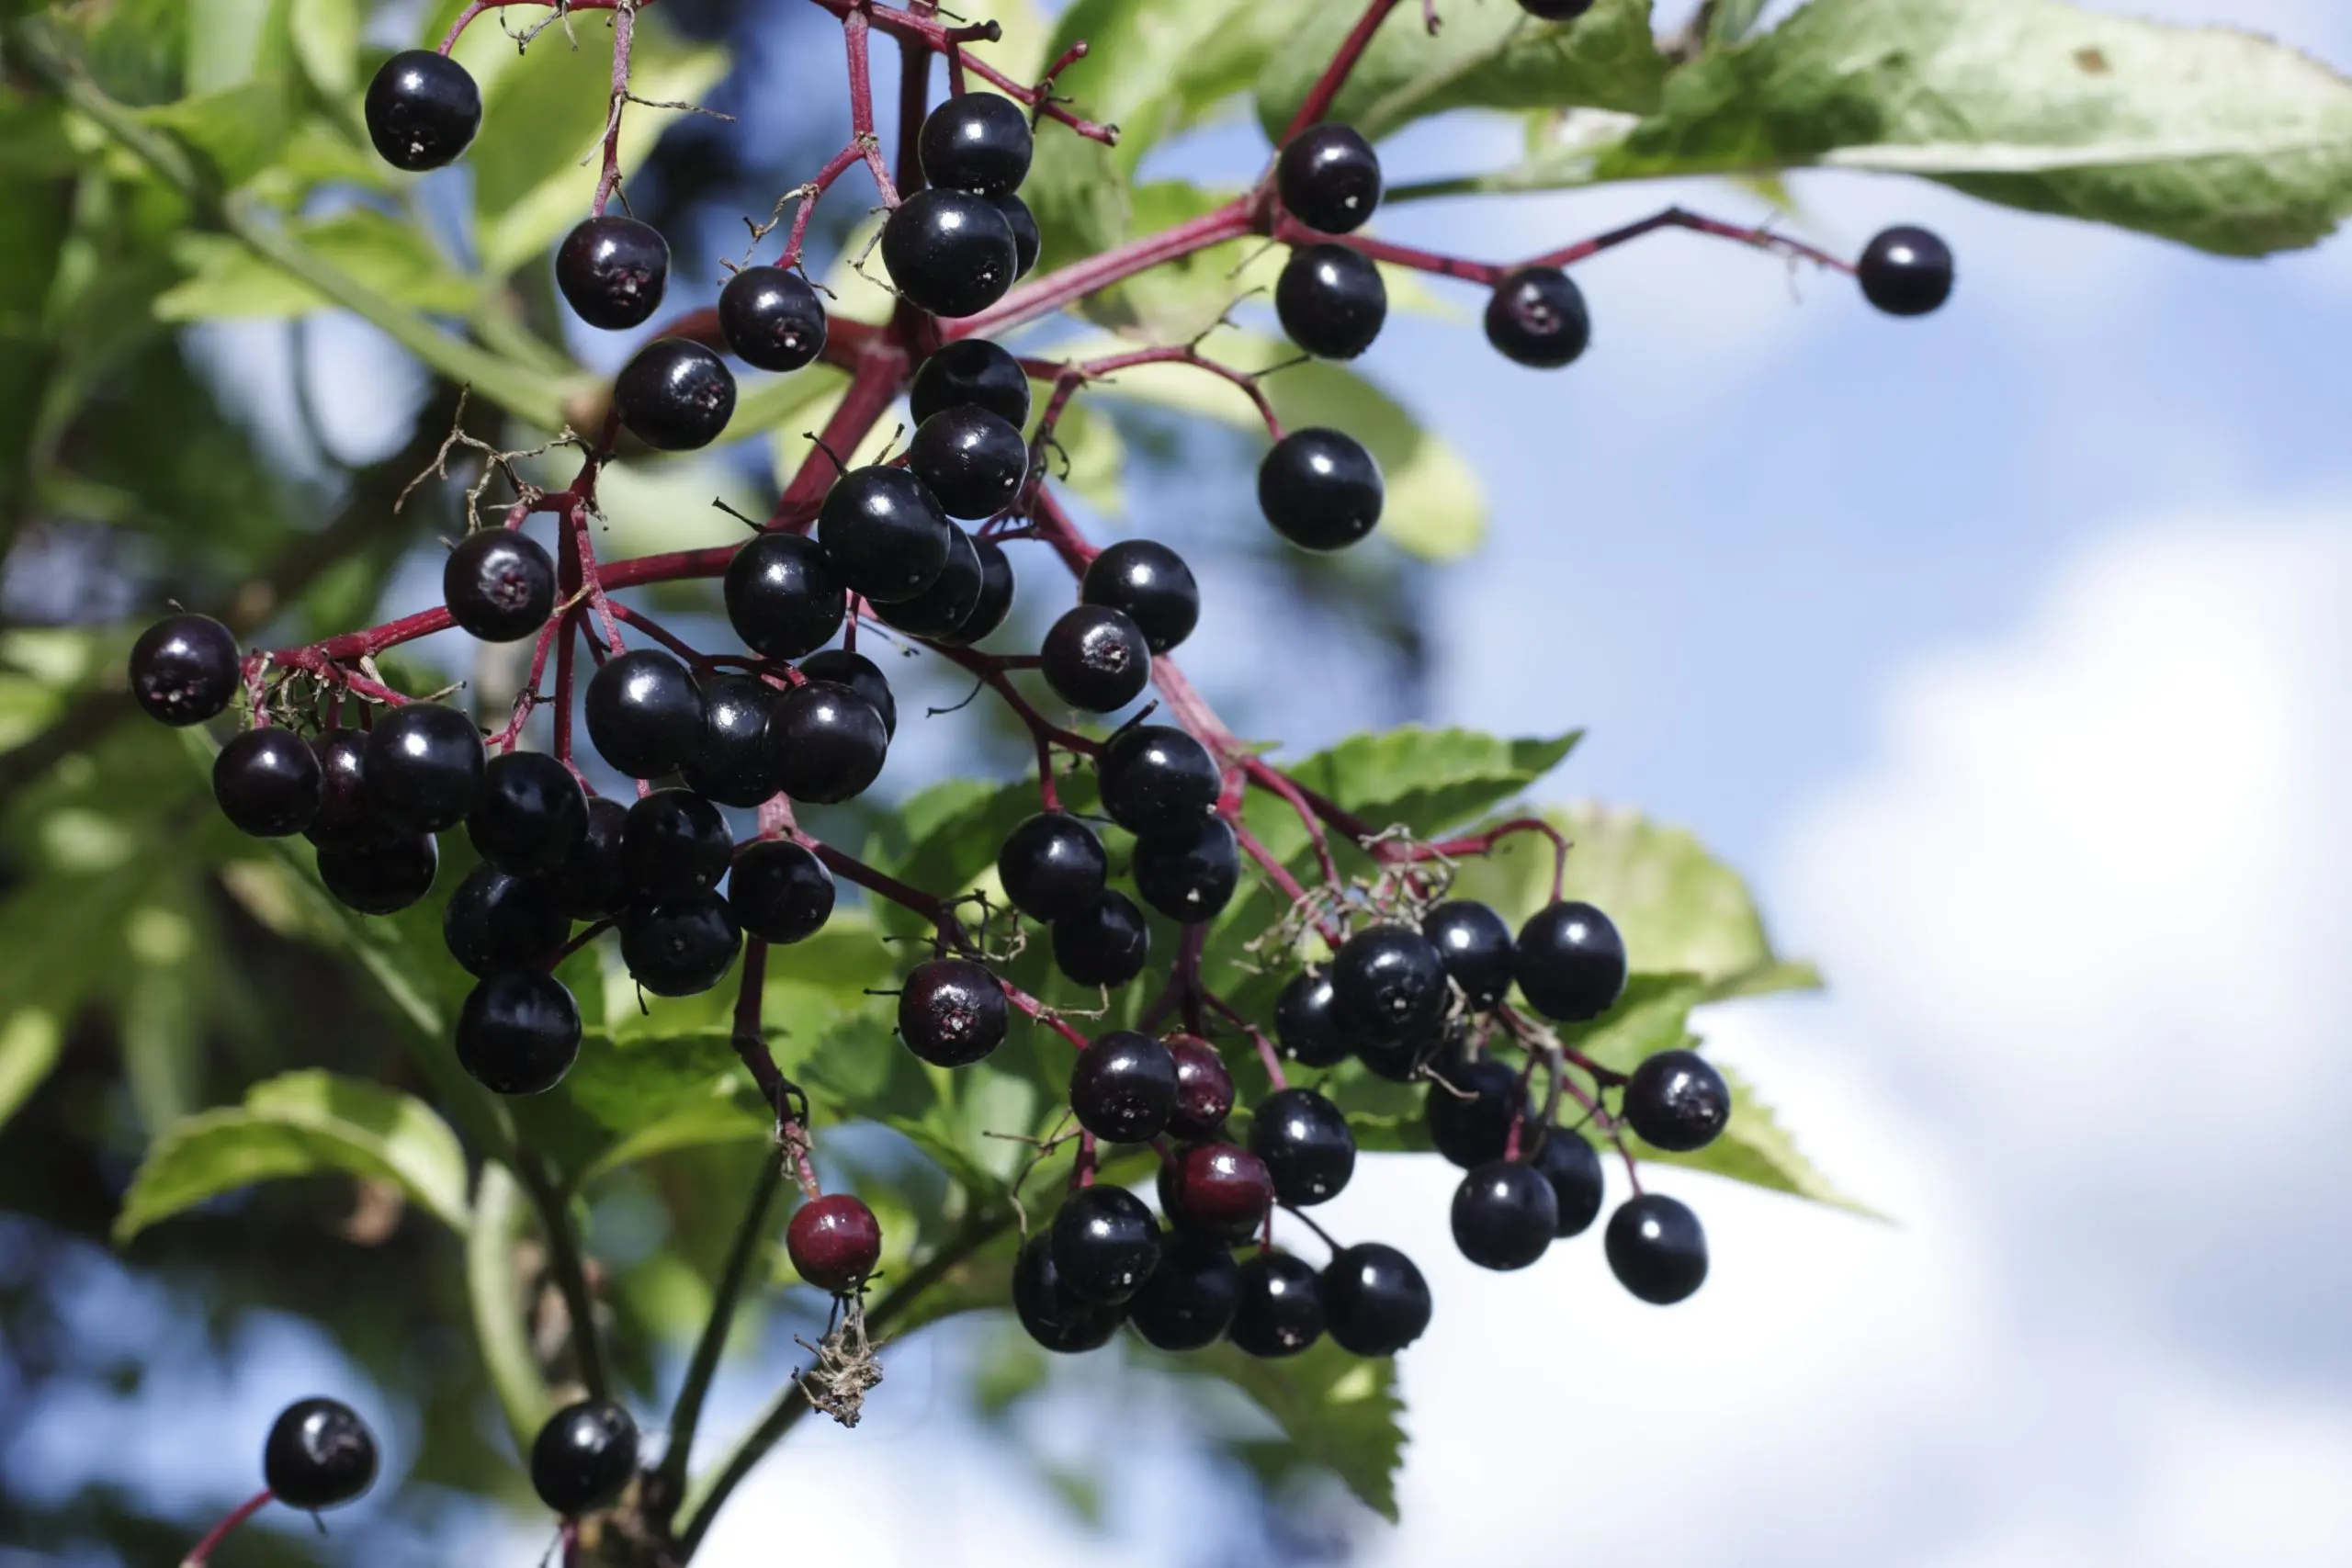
{"x": 686, "y": 1413}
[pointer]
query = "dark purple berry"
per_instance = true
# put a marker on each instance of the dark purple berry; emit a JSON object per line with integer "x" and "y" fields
{"x": 1905, "y": 272}
{"x": 184, "y": 669}
{"x": 645, "y": 713}
{"x": 1320, "y": 490}
{"x": 971, "y": 460}
{"x": 1329, "y": 177}
{"x": 518, "y": 1032}
{"x": 268, "y": 783}
{"x": 680, "y": 948}
{"x": 613, "y": 270}
{"x": 1189, "y": 877}
{"x": 976, "y": 142}
{"x": 421, "y": 110}
{"x": 995, "y": 602}
{"x": 531, "y": 815}
{"x": 1305, "y": 1021}
{"x": 1536, "y": 316}
{"x": 861, "y": 675}
{"x": 1158, "y": 779}
{"x": 784, "y": 598}
{"x": 949, "y": 251}
{"x": 674, "y": 844}
{"x": 1504, "y": 1215}
{"x": 954, "y": 594}
{"x": 1219, "y": 1189}
{"x": 590, "y": 882}
{"x": 1657, "y": 1248}
{"x": 1570, "y": 961}
{"x": 1474, "y": 944}
{"x": 1054, "y": 1316}
{"x": 584, "y": 1458}
{"x": 771, "y": 319}
{"x": 834, "y": 1242}
{"x": 826, "y": 742}
{"x": 1026, "y": 241}
{"x": 1555, "y": 10}
{"x": 1375, "y": 1301}
{"x": 1573, "y": 1167}
{"x": 380, "y": 873}
{"x": 1149, "y": 585}
{"x": 496, "y": 922}
{"x": 319, "y": 1454}
{"x": 1677, "y": 1101}
{"x": 1104, "y": 941}
{"x": 1388, "y": 983}
{"x": 1051, "y": 865}
{"x": 1470, "y": 1111}
{"x": 952, "y": 1011}
{"x": 734, "y": 765}
{"x": 1094, "y": 659}
{"x": 1204, "y": 1089}
{"x": 1332, "y": 301}
{"x": 676, "y": 395}
{"x": 1106, "y": 1243}
{"x": 1280, "y": 1310}
{"x": 1305, "y": 1142}
{"x": 1189, "y": 1298}
{"x": 1123, "y": 1086}
{"x": 780, "y": 891}
{"x": 885, "y": 533}
{"x": 975, "y": 371}
{"x": 425, "y": 767}
{"x": 342, "y": 816}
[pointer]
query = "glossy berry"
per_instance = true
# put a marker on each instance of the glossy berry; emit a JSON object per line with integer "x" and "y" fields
{"x": 497, "y": 921}
{"x": 1306, "y": 1021}
{"x": 319, "y": 1454}
{"x": 1388, "y": 983}
{"x": 734, "y": 765}
{"x": 1375, "y": 1301}
{"x": 423, "y": 110}
{"x": 1555, "y": 10}
{"x": 971, "y": 460}
{"x": 1106, "y": 1243}
{"x": 184, "y": 669}
{"x": 676, "y": 395}
{"x": 1573, "y": 1167}
{"x": 995, "y": 602}
{"x": 1319, "y": 488}
{"x": 952, "y": 597}
{"x": 1329, "y": 177}
{"x": 834, "y": 1242}
{"x": 1474, "y": 945}
{"x": 1905, "y": 272}
{"x": 971, "y": 370}
{"x": 976, "y": 142}
{"x": 612, "y": 270}
{"x": 1470, "y": 1112}
{"x": 674, "y": 844}
{"x": 1051, "y": 865}
{"x": 949, "y": 251}
{"x": 1536, "y": 316}
{"x": 1305, "y": 1142}
{"x": 342, "y": 816}
{"x": 1280, "y": 1310}
{"x": 1677, "y": 1101}
{"x": 584, "y": 1458}
{"x": 425, "y": 767}
{"x": 1219, "y": 1189}
{"x": 1158, "y": 779}
{"x": 1570, "y": 961}
{"x": 1026, "y": 241}
{"x": 783, "y": 597}
{"x": 590, "y": 881}
{"x": 268, "y": 783}
{"x": 780, "y": 891}
{"x": 952, "y": 1011}
{"x": 1657, "y": 1248}
{"x": 1189, "y": 877}
{"x": 531, "y": 815}
{"x": 1189, "y": 1297}
{"x": 1330, "y": 301}
{"x": 1204, "y": 1089}
{"x": 771, "y": 319}
{"x": 861, "y": 675}
{"x": 1054, "y": 1316}
{"x": 1123, "y": 1086}
{"x": 1504, "y": 1215}
{"x": 1096, "y": 659}
{"x": 680, "y": 948}
{"x": 645, "y": 713}
{"x": 885, "y": 533}
{"x": 1104, "y": 941}
{"x": 826, "y": 742}
{"x": 1149, "y": 585}
{"x": 518, "y": 1032}
{"x": 380, "y": 873}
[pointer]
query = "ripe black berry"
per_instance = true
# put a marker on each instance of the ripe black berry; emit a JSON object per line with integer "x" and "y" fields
{"x": 1189, "y": 877}
{"x": 584, "y": 1458}
{"x": 680, "y": 948}
{"x": 1026, "y": 241}
{"x": 1158, "y": 779}
{"x": 834, "y": 1242}
{"x": 952, "y": 1011}
{"x": 733, "y": 765}
{"x": 1504, "y": 1215}
{"x": 1055, "y": 1316}
{"x": 1474, "y": 946}
{"x": 1123, "y": 1086}
{"x": 421, "y": 110}
{"x": 1905, "y": 272}
{"x": 1329, "y": 177}
{"x": 496, "y": 922}
{"x": 1094, "y": 659}
{"x": 268, "y": 783}
{"x": 674, "y": 844}
{"x": 589, "y": 882}
{"x": 976, "y": 142}
{"x": 885, "y": 533}
{"x": 1409, "y": 1060}
{"x": 342, "y": 814}
{"x": 1104, "y": 941}
{"x": 1657, "y": 1248}
{"x": 612, "y": 270}
{"x": 1051, "y": 865}
{"x": 1555, "y": 10}
{"x": 184, "y": 669}
{"x": 1375, "y": 1301}
{"x": 1190, "y": 1298}
{"x": 499, "y": 585}
{"x": 1388, "y": 983}
{"x": 380, "y": 873}
{"x": 1678, "y": 1101}
{"x": 1106, "y": 1243}
{"x": 826, "y": 742}
{"x": 645, "y": 713}
{"x": 530, "y": 815}
{"x": 425, "y": 767}
{"x": 1280, "y": 1311}
{"x": 1204, "y": 1087}
{"x": 1306, "y": 1022}
{"x": 771, "y": 319}
{"x": 1470, "y": 1112}
{"x": 949, "y": 251}
{"x": 995, "y": 602}
{"x": 518, "y": 1032}
{"x": 780, "y": 891}
{"x": 1320, "y": 490}
{"x": 971, "y": 370}
{"x": 1536, "y": 316}
{"x": 1570, "y": 961}
{"x": 950, "y": 600}
{"x": 1149, "y": 584}
{"x": 1332, "y": 301}
{"x": 676, "y": 395}
{"x": 1573, "y": 1167}
{"x": 319, "y": 1454}
{"x": 1219, "y": 1189}
{"x": 784, "y": 598}
{"x": 861, "y": 675}
{"x": 971, "y": 460}
{"x": 1305, "y": 1141}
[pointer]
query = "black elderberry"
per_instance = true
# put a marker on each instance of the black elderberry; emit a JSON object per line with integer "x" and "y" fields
{"x": 1218, "y": 1190}
{"x": 1388, "y": 983}
{"x": 497, "y": 921}
{"x": 518, "y": 1032}
{"x": 425, "y": 767}
{"x": 531, "y": 815}
{"x": 1280, "y": 1310}
{"x": 1555, "y": 10}
{"x": 1470, "y": 1109}
{"x": 268, "y": 783}
{"x": 1414, "y": 1058}
{"x": 1149, "y": 584}
{"x": 1330, "y": 301}
{"x": 645, "y": 713}
{"x": 1306, "y": 1022}
{"x": 771, "y": 319}
{"x": 1657, "y": 1248}
{"x": 826, "y": 742}
{"x": 780, "y": 891}
{"x": 950, "y": 600}
{"x": 1319, "y": 488}
{"x": 976, "y": 371}
{"x": 1474, "y": 945}
{"x": 971, "y": 460}
{"x": 676, "y": 395}
{"x": 1026, "y": 241}
{"x": 1536, "y": 316}
{"x": 952, "y": 1011}
{"x": 861, "y": 675}
{"x": 1189, "y": 877}
{"x": 1504, "y": 1215}
{"x": 1123, "y": 1086}
{"x": 1204, "y": 1087}
{"x": 995, "y": 602}
{"x": 184, "y": 669}
{"x": 1106, "y": 1243}
{"x": 1375, "y": 1301}
{"x": 680, "y": 948}
{"x": 1905, "y": 272}
{"x": 342, "y": 816}
{"x": 674, "y": 844}
{"x": 1051, "y": 865}
{"x": 1573, "y": 1167}
{"x": 499, "y": 585}
{"x": 976, "y": 142}
{"x": 319, "y": 1454}
{"x": 590, "y": 881}
{"x": 1570, "y": 961}
{"x": 584, "y": 1458}
{"x": 1305, "y": 1142}
{"x": 1677, "y": 1101}
{"x": 380, "y": 873}
{"x": 1158, "y": 779}
{"x": 1189, "y": 1297}
{"x": 1055, "y": 1316}
{"x": 421, "y": 110}
{"x": 1104, "y": 941}
{"x": 885, "y": 533}
{"x": 949, "y": 251}
{"x": 1094, "y": 659}
{"x": 733, "y": 765}
{"x": 1329, "y": 177}
{"x": 613, "y": 270}
{"x": 783, "y": 596}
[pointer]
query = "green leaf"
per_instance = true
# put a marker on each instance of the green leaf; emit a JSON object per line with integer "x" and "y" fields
{"x": 236, "y": 130}
{"x": 1728, "y": 21}
{"x": 1429, "y": 780}
{"x": 28, "y": 1045}
{"x": 326, "y": 39}
{"x": 1337, "y": 1413}
{"x": 394, "y": 259}
{"x": 724, "y": 1117}
{"x": 296, "y": 1125}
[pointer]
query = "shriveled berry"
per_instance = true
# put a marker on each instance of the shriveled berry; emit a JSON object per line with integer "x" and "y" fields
{"x": 1189, "y": 1297}
{"x": 531, "y": 815}
{"x": 1149, "y": 585}
{"x": 1388, "y": 983}
{"x": 1474, "y": 945}
{"x": 1204, "y": 1087}
{"x": 1123, "y": 1086}
{"x": 976, "y": 142}
{"x": 1905, "y": 272}
{"x": 1657, "y": 1248}
{"x": 184, "y": 669}
{"x": 826, "y": 742}
{"x": 1375, "y": 1301}
{"x": 972, "y": 460}
{"x": 1573, "y": 1167}
{"x": 1329, "y": 177}
{"x": 1094, "y": 659}
{"x": 319, "y": 1454}
{"x": 268, "y": 783}
{"x": 952, "y": 1011}
{"x": 1279, "y": 1312}
{"x": 949, "y": 251}
{"x": 422, "y": 109}
{"x": 676, "y": 395}
{"x": 1330, "y": 301}
{"x": 425, "y": 767}
{"x": 771, "y": 319}
{"x": 680, "y": 948}
{"x": 1678, "y": 1101}
{"x": 518, "y": 1032}
{"x": 590, "y": 881}
{"x": 674, "y": 844}
{"x": 1470, "y": 1109}
{"x": 584, "y": 1458}
{"x": 885, "y": 533}
{"x": 645, "y": 713}
{"x": 1219, "y": 1189}
{"x": 380, "y": 873}
{"x": 1536, "y": 316}
{"x": 1319, "y": 488}
{"x": 783, "y": 597}
{"x": 1054, "y": 1316}
{"x": 1306, "y": 1022}
{"x": 1504, "y": 1215}
{"x": 1305, "y": 1142}
{"x": 780, "y": 891}
{"x": 834, "y": 1242}
{"x": 1106, "y": 1243}
{"x": 976, "y": 371}
{"x": 1189, "y": 877}
{"x": 1158, "y": 779}
{"x": 497, "y": 921}
{"x": 613, "y": 270}
{"x": 1104, "y": 941}
{"x": 734, "y": 765}
{"x": 1570, "y": 961}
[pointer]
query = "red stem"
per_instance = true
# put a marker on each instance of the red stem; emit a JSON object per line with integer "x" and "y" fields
{"x": 219, "y": 1532}
{"x": 1318, "y": 102}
